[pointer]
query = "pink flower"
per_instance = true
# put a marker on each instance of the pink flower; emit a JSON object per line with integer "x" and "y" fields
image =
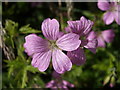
{"x": 88, "y": 39}
{"x": 105, "y": 36}
{"x": 42, "y": 50}
{"x": 54, "y": 84}
{"x": 58, "y": 83}
{"x": 112, "y": 11}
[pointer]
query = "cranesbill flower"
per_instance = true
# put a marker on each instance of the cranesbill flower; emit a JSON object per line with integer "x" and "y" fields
{"x": 83, "y": 28}
{"x": 42, "y": 50}
{"x": 112, "y": 11}
{"x": 63, "y": 84}
{"x": 105, "y": 36}
{"x": 58, "y": 82}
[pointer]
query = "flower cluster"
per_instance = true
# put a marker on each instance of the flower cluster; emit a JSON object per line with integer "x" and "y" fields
{"x": 42, "y": 50}
{"x": 79, "y": 35}
{"x": 67, "y": 48}
{"x": 83, "y": 28}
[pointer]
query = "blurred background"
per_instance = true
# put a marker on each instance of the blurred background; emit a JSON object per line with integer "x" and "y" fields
{"x": 101, "y": 70}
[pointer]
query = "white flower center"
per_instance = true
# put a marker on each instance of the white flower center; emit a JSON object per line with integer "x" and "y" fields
{"x": 52, "y": 44}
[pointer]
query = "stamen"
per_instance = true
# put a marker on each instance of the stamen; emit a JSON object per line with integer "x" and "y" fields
{"x": 52, "y": 44}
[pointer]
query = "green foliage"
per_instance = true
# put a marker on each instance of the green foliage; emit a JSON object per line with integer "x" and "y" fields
{"x": 11, "y": 27}
{"x": 26, "y": 29}
{"x": 20, "y": 67}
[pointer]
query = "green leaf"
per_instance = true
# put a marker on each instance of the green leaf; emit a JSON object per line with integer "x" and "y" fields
{"x": 74, "y": 73}
{"x": 27, "y": 29}
{"x": 89, "y": 14}
{"x": 24, "y": 78}
{"x": 11, "y": 68}
{"x": 39, "y": 81}
{"x": 11, "y": 27}
{"x": 33, "y": 69}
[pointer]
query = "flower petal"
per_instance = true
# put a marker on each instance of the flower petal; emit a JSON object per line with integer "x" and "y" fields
{"x": 103, "y": 5}
{"x": 68, "y": 42}
{"x": 77, "y": 56}
{"x": 66, "y": 83}
{"x": 74, "y": 26}
{"x": 101, "y": 42}
{"x": 50, "y": 84}
{"x": 108, "y": 17}
{"x": 92, "y": 45}
{"x": 60, "y": 34}
{"x": 50, "y": 29}
{"x": 42, "y": 60}
{"x": 60, "y": 61}
{"x": 35, "y": 44}
{"x": 117, "y": 16}
{"x": 92, "y": 35}
{"x": 81, "y": 27}
{"x": 86, "y": 25}
{"x": 92, "y": 42}
{"x": 108, "y": 35}
{"x": 68, "y": 29}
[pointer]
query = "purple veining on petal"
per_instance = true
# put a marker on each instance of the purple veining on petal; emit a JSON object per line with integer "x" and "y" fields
{"x": 68, "y": 42}
{"x": 60, "y": 61}
{"x": 42, "y": 50}
{"x": 50, "y": 29}
{"x": 35, "y": 44}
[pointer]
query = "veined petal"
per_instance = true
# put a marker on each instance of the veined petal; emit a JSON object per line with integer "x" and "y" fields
{"x": 80, "y": 27}
{"x": 50, "y": 29}
{"x": 108, "y": 17}
{"x": 66, "y": 83}
{"x": 50, "y": 84}
{"x": 60, "y": 34}
{"x": 86, "y": 25}
{"x": 117, "y": 16}
{"x": 42, "y": 60}
{"x": 92, "y": 45}
{"x": 103, "y": 5}
{"x": 108, "y": 35}
{"x": 68, "y": 42}
{"x": 60, "y": 61}
{"x": 68, "y": 29}
{"x": 35, "y": 44}
{"x": 92, "y": 42}
{"x": 74, "y": 26}
{"x": 92, "y": 35}
{"x": 101, "y": 42}
{"x": 77, "y": 56}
